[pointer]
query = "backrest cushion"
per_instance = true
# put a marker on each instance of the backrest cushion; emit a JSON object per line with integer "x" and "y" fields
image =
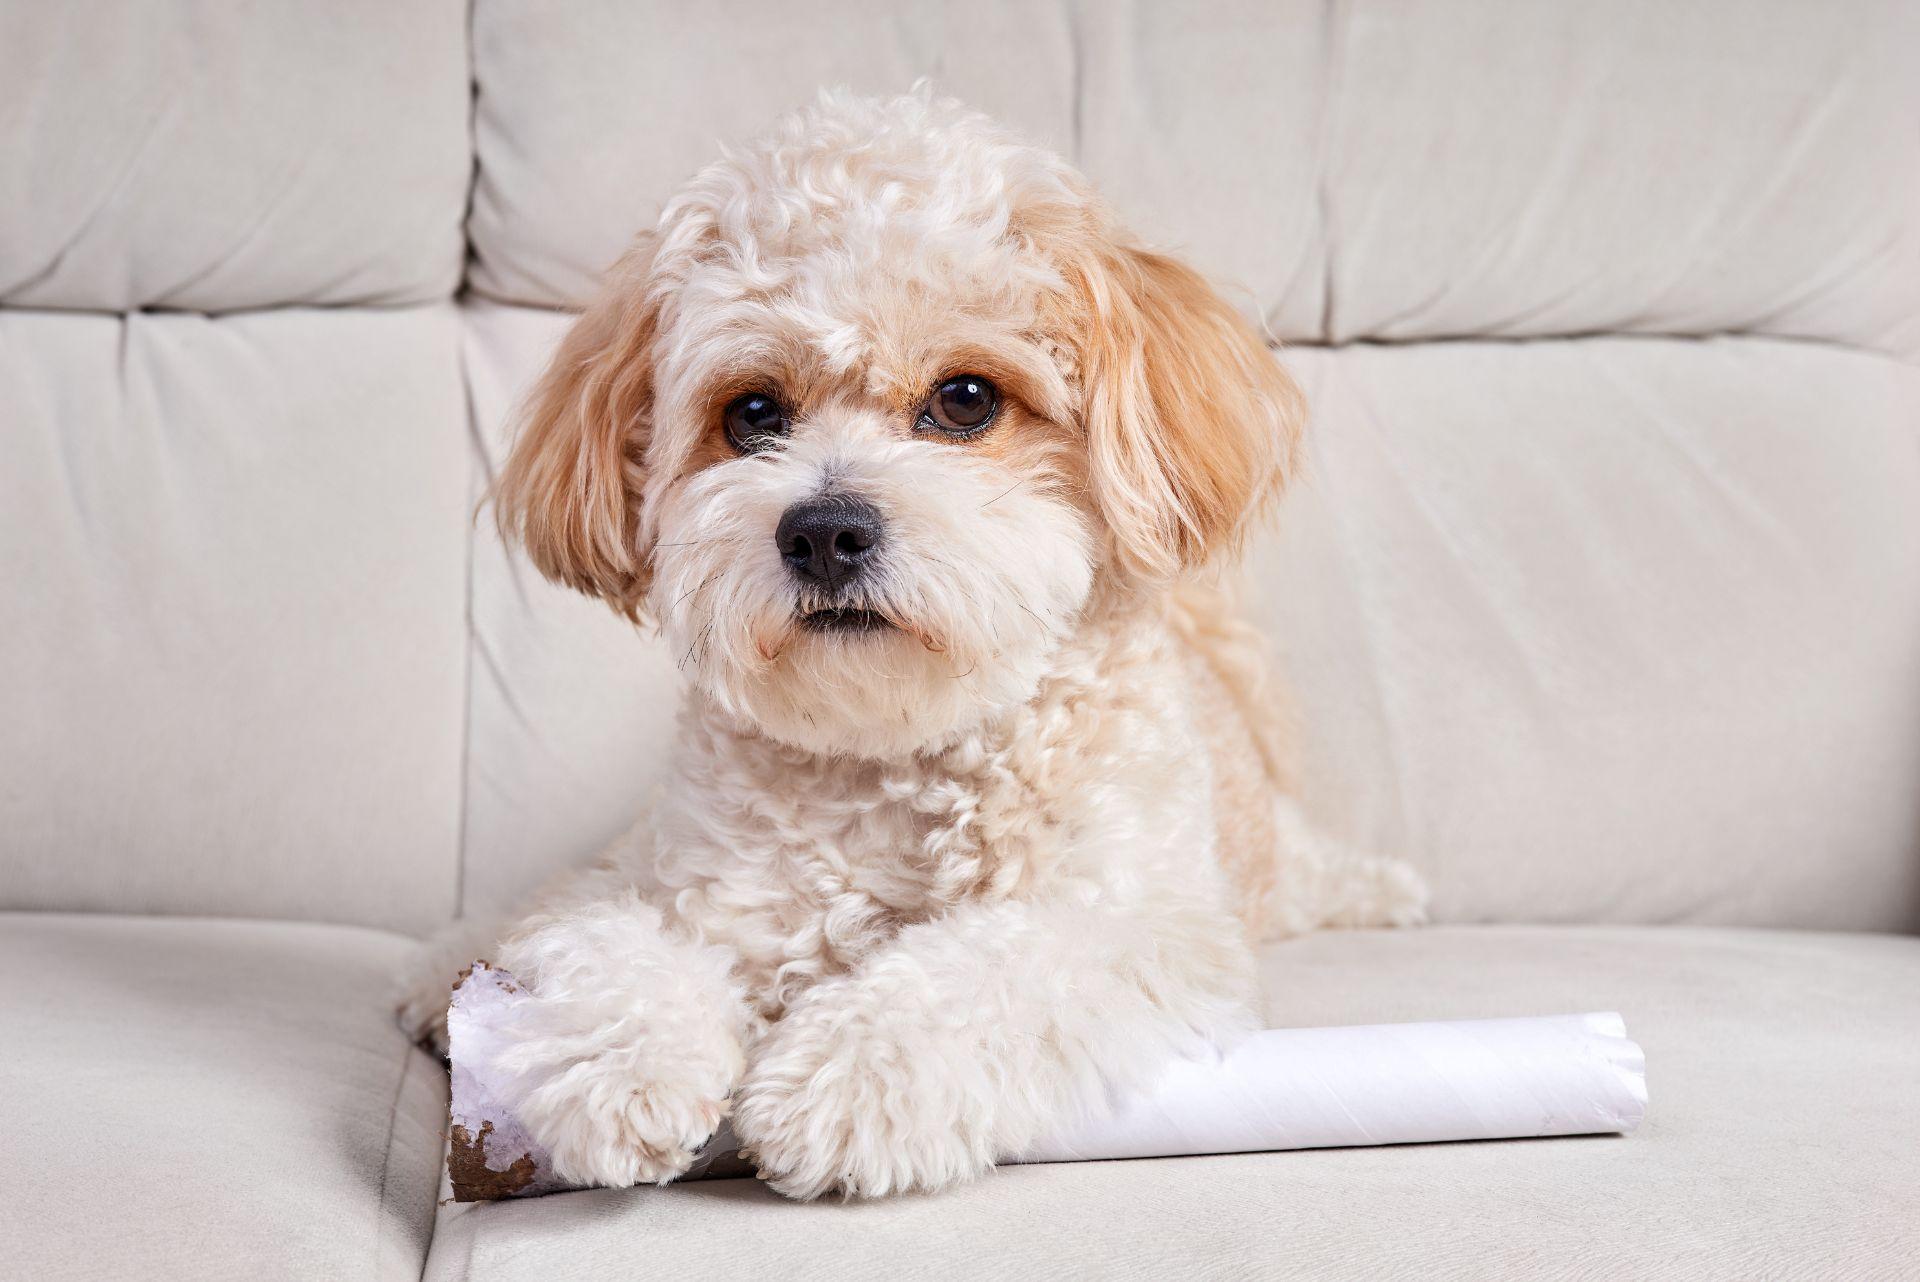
{"x": 1615, "y": 629}
{"x": 1364, "y": 170}
{"x": 234, "y": 471}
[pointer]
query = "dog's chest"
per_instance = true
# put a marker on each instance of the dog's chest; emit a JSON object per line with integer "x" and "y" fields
{"x": 807, "y": 878}
{"x": 806, "y": 866}
{"x": 878, "y": 850}
{"x": 851, "y": 852}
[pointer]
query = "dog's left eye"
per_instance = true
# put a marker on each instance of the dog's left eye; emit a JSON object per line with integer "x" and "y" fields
{"x": 961, "y": 406}
{"x": 753, "y": 421}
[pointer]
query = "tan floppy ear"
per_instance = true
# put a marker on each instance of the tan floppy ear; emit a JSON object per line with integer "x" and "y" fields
{"x": 1192, "y": 424}
{"x": 570, "y": 491}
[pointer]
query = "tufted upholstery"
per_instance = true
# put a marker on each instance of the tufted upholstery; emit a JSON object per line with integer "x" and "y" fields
{"x": 1601, "y": 593}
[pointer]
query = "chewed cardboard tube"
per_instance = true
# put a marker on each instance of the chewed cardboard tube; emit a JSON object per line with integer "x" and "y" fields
{"x": 1292, "y": 1088}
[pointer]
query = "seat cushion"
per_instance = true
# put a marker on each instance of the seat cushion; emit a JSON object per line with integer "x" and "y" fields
{"x": 1780, "y": 1141}
{"x": 188, "y": 1098}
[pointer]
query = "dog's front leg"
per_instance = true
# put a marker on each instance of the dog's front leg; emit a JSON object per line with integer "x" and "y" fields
{"x": 969, "y": 1036}
{"x": 624, "y": 1060}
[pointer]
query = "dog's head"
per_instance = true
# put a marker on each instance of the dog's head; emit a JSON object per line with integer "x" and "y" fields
{"x": 879, "y": 405}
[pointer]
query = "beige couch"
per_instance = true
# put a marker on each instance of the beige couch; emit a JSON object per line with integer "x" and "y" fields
{"x": 1603, "y": 599}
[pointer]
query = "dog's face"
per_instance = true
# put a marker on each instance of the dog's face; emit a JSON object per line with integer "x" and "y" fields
{"x": 872, "y": 413}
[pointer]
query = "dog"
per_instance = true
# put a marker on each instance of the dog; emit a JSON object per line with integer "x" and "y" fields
{"x": 926, "y": 470}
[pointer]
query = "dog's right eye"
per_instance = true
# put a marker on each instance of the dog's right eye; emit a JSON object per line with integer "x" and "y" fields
{"x": 754, "y": 422}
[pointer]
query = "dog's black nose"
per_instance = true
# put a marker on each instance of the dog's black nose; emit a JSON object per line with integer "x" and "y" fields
{"x": 827, "y": 540}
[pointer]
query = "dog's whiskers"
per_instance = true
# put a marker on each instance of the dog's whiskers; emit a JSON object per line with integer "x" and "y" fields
{"x": 705, "y": 633}
{"x": 695, "y": 588}
{"x": 996, "y": 498}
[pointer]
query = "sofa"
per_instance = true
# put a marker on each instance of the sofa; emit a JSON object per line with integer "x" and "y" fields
{"x": 1599, "y": 596}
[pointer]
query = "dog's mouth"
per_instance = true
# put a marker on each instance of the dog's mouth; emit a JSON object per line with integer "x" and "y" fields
{"x": 846, "y": 620}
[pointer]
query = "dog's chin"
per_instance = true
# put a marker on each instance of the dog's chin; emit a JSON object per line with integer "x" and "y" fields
{"x": 861, "y": 683}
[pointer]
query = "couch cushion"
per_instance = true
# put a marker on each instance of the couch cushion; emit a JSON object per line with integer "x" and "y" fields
{"x": 1362, "y": 170}
{"x": 1565, "y": 167}
{"x": 1198, "y": 121}
{"x": 570, "y": 708}
{"x": 586, "y": 116}
{"x": 1779, "y": 1143}
{"x": 187, "y": 1098}
{"x": 1613, "y": 629}
{"x": 234, "y": 555}
{"x": 215, "y": 157}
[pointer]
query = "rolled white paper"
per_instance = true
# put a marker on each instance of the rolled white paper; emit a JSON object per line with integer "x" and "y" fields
{"x": 1288, "y": 1088}
{"x": 1293, "y": 1088}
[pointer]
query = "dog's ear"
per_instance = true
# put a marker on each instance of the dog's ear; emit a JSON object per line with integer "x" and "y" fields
{"x": 570, "y": 490}
{"x": 1192, "y": 424}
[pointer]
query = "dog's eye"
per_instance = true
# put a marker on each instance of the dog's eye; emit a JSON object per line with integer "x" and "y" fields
{"x": 754, "y": 421}
{"x": 961, "y": 406}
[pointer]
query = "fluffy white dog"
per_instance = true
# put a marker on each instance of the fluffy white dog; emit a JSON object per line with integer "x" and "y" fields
{"x": 919, "y": 462}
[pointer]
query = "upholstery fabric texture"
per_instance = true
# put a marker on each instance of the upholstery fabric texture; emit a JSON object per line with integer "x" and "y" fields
{"x": 235, "y": 569}
{"x": 1539, "y": 169}
{"x": 1620, "y": 629}
{"x": 216, "y": 157}
{"x": 1361, "y": 170}
{"x": 569, "y": 706}
{"x": 1778, "y": 1143}
{"x": 210, "y": 1099}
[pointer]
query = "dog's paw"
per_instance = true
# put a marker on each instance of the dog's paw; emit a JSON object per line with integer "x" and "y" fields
{"x": 1399, "y": 894}
{"x": 617, "y": 1130}
{"x": 1323, "y": 882}
{"x": 615, "y": 1106}
{"x": 851, "y": 1098}
{"x": 1373, "y": 891}
{"x": 424, "y": 987}
{"x": 421, "y": 1013}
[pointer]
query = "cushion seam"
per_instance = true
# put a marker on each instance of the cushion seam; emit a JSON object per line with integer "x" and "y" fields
{"x": 386, "y": 1161}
